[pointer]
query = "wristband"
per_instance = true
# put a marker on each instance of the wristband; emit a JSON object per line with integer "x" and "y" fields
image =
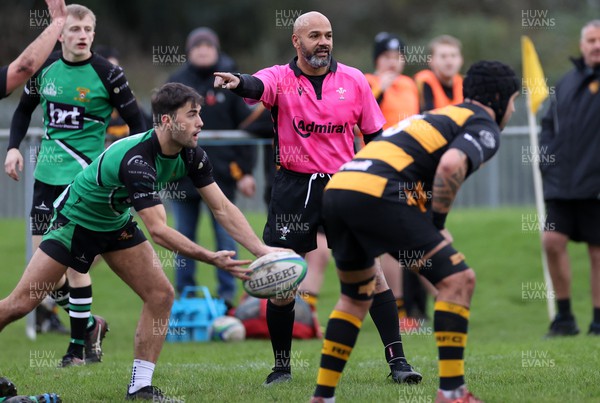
{"x": 239, "y": 76}
{"x": 439, "y": 220}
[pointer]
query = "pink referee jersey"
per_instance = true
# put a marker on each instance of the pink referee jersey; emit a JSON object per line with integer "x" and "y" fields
{"x": 314, "y": 132}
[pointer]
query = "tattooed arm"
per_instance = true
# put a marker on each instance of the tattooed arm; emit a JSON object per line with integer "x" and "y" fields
{"x": 449, "y": 176}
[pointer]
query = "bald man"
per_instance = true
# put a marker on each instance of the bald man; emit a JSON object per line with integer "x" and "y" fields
{"x": 569, "y": 164}
{"x": 315, "y": 103}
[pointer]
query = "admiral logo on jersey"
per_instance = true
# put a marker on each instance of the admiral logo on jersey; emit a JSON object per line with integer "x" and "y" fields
{"x": 305, "y": 129}
{"x": 64, "y": 116}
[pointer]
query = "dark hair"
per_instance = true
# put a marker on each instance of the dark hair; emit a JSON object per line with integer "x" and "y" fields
{"x": 170, "y": 97}
{"x": 492, "y": 83}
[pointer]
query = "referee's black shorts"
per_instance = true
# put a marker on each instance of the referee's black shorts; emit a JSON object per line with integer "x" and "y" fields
{"x": 577, "y": 219}
{"x": 294, "y": 215}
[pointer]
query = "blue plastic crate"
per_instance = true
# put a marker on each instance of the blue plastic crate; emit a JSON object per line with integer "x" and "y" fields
{"x": 192, "y": 316}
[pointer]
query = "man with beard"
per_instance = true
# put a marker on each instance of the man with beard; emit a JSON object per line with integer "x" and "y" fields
{"x": 232, "y": 165}
{"x": 315, "y": 103}
{"x": 569, "y": 164}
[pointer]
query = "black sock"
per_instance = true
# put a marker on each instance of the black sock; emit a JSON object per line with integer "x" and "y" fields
{"x": 310, "y": 298}
{"x": 564, "y": 307}
{"x": 340, "y": 337}
{"x": 596, "y": 315}
{"x": 80, "y": 303}
{"x": 280, "y": 321}
{"x": 61, "y": 296}
{"x": 450, "y": 324}
{"x": 384, "y": 313}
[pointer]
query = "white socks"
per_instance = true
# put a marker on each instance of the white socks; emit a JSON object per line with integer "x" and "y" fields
{"x": 141, "y": 375}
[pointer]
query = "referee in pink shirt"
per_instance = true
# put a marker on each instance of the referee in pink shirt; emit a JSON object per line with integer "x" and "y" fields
{"x": 315, "y": 103}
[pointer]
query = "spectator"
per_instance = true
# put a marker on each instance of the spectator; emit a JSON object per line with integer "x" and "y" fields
{"x": 569, "y": 139}
{"x": 221, "y": 110}
{"x": 441, "y": 85}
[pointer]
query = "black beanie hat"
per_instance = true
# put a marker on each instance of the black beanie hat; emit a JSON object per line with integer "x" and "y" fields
{"x": 200, "y": 35}
{"x": 492, "y": 83}
{"x": 386, "y": 41}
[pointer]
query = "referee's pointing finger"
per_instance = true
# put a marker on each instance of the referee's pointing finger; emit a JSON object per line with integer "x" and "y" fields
{"x": 225, "y": 80}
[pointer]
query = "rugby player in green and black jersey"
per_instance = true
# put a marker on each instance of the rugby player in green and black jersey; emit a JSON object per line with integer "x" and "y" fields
{"x": 77, "y": 91}
{"x": 92, "y": 217}
{"x": 12, "y": 76}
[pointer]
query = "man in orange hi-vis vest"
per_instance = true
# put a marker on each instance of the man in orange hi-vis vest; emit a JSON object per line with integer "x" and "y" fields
{"x": 398, "y": 98}
{"x": 396, "y": 94}
{"x": 441, "y": 84}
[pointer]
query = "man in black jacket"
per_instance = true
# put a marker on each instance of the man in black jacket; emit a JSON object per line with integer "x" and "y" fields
{"x": 570, "y": 168}
{"x": 221, "y": 110}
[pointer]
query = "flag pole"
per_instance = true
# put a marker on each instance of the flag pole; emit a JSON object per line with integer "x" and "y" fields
{"x": 539, "y": 203}
{"x": 536, "y": 92}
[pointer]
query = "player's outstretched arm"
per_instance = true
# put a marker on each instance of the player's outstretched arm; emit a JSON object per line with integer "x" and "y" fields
{"x": 155, "y": 219}
{"x": 232, "y": 219}
{"x": 32, "y": 58}
{"x": 449, "y": 176}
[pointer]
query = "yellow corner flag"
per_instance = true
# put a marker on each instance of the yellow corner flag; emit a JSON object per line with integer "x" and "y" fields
{"x": 533, "y": 76}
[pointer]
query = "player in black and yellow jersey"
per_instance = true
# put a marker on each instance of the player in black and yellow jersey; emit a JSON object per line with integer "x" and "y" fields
{"x": 403, "y": 183}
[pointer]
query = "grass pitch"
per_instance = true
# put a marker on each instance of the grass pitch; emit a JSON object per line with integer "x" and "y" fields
{"x": 507, "y": 359}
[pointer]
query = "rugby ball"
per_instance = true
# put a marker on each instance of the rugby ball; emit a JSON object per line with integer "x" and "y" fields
{"x": 276, "y": 274}
{"x": 227, "y": 328}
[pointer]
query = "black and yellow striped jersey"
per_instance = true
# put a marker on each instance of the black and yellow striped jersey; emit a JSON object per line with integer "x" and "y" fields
{"x": 403, "y": 159}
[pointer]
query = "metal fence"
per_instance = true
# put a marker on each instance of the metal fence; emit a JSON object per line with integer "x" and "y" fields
{"x": 505, "y": 180}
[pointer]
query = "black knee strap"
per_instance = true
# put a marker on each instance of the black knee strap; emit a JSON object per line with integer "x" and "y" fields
{"x": 444, "y": 263}
{"x": 363, "y": 291}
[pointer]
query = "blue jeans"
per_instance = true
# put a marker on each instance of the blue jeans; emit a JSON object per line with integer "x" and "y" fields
{"x": 187, "y": 215}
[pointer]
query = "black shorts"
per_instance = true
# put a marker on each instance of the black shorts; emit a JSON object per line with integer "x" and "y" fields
{"x": 360, "y": 227}
{"x": 41, "y": 207}
{"x": 295, "y": 210}
{"x": 77, "y": 247}
{"x": 578, "y": 219}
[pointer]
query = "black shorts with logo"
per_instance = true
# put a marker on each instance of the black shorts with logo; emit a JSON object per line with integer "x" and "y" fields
{"x": 41, "y": 207}
{"x": 361, "y": 227}
{"x": 294, "y": 215}
{"x": 76, "y": 247}
{"x": 578, "y": 219}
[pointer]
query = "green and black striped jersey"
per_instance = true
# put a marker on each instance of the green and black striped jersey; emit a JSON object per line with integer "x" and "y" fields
{"x": 130, "y": 173}
{"x": 77, "y": 100}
